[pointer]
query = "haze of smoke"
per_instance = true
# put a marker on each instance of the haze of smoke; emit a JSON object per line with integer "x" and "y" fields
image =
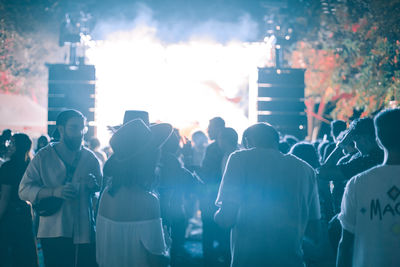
{"x": 179, "y": 30}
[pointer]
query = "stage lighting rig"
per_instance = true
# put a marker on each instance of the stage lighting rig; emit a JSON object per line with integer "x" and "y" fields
{"x": 281, "y": 36}
{"x": 278, "y": 28}
{"x": 74, "y": 31}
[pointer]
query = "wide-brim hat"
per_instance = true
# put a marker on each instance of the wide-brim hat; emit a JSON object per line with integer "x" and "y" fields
{"x": 132, "y": 115}
{"x": 134, "y": 137}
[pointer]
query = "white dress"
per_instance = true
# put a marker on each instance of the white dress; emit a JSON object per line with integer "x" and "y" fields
{"x": 124, "y": 244}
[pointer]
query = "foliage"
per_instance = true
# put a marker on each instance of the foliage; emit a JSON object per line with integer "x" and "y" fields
{"x": 352, "y": 57}
{"x": 26, "y": 44}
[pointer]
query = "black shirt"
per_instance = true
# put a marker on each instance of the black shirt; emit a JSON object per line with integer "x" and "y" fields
{"x": 211, "y": 166}
{"x": 11, "y": 173}
{"x": 360, "y": 163}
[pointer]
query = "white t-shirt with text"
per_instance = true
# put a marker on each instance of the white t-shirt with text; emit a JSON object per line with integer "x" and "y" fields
{"x": 371, "y": 211}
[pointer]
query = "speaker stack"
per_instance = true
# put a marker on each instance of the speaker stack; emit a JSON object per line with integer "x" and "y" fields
{"x": 71, "y": 87}
{"x": 280, "y": 100}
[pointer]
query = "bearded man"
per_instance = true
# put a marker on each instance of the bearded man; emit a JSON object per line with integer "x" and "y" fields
{"x": 66, "y": 173}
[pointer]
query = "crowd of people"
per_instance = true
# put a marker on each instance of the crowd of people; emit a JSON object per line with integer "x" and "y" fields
{"x": 270, "y": 200}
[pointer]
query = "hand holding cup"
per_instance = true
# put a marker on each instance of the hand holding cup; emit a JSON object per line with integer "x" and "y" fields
{"x": 67, "y": 191}
{"x": 90, "y": 181}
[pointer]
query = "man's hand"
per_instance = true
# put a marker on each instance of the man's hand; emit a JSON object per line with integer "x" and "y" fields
{"x": 347, "y": 139}
{"x": 90, "y": 182}
{"x": 67, "y": 191}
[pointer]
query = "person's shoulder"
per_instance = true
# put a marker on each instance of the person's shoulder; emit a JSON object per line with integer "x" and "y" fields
{"x": 46, "y": 150}
{"x": 367, "y": 175}
{"x": 43, "y": 153}
{"x": 89, "y": 153}
{"x": 6, "y": 165}
{"x": 240, "y": 153}
{"x": 300, "y": 167}
{"x": 86, "y": 150}
{"x": 298, "y": 162}
{"x": 212, "y": 146}
{"x": 8, "y": 171}
{"x": 46, "y": 146}
{"x": 256, "y": 152}
{"x": 364, "y": 179}
{"x": 5, "y": 168}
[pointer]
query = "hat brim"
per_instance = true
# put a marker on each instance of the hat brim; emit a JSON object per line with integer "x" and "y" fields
{"x": 113, "y": 129}
{"x": 132, "y": 143}
{"x": 160, "y": 133}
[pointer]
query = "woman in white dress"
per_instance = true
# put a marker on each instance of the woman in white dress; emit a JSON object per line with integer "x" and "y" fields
{"x": 129, "y": 229}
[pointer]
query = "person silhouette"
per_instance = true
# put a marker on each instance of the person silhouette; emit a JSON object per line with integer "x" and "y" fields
{"x": 269, "y": 200}
{"x": 210, "y": 173}
{"x": 369, "y": 214}
{"x": 129, "y": 226}
{"x": 67, "y": 173}
{"x": 17, "y": 244}
{"x": 42, "y": 141}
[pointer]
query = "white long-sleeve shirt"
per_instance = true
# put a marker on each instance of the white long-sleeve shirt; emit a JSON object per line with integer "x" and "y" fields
{"x": 75, "y": 219}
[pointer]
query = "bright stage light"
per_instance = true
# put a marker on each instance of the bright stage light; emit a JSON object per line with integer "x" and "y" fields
{"x": 184, "y": 84}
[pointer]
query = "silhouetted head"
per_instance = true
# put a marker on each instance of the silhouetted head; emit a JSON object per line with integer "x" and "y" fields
{"x": 6, "y": 134}
{"x": 262, "y": 135}
{"x": 20, "y": 146}
{"x": 306, "y": 152}
{"x": 362, "y": 132}
{"x": 290, "y": 139}
{"x": 94, "y": 143}
{"x": 199, "y": 139}
{"x": 42, "y": 141}
{"x": 337, "y": 126}
{"x": 387, "y": 124}
{"x": 244, "y": 142}
{"x": 284, "y": 147}
{"x": 214, "y": 127}
{"x": 228, "y": 139}
{"x": 348, "y": 147}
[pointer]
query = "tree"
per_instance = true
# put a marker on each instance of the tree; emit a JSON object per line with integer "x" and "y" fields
{"x": 28, "y": 39}
{"x": 351, "y": 52}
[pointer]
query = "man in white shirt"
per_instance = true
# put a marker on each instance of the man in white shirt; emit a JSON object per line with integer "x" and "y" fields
{"x": 370, "y": 212}
{"x": 66, "y": 172}
{"x": 269, "y": 200}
